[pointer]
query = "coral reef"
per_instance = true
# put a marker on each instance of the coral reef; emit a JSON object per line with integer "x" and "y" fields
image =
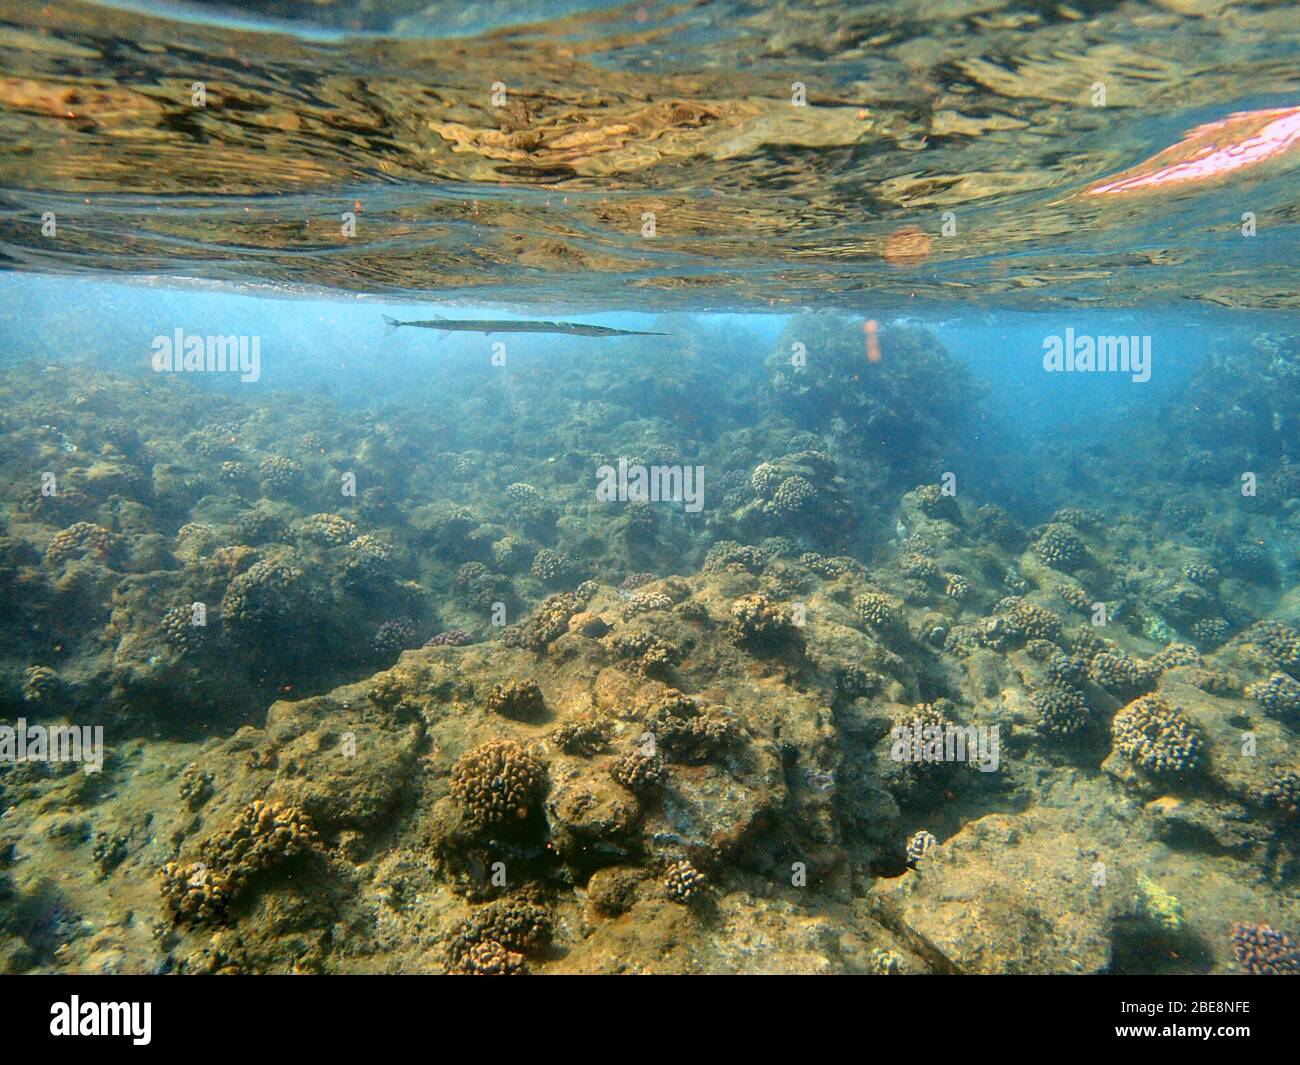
{"x": 1157, "y": 736}
{"x": 549, "y": 621}
{"x": 264, "y": 835}
{"x": 1062, "y": 712}
{"x": 880, "y": 613}
{"x": 328, "y": 529}
{"x": 639, "y": 771}
{"x": 1263, "y": 951}
{"x": 520, "y": 699}
{"x": 687, "y": 732}
{"x": 495, "y": 938}
{"x": 582, "y": 735}
{"x": 643, "y": 737}
{"x": 1279, "y": 643}
{"x": 683, "y": 881}
{"x": 267, "y": 595}
{"x": 1279, "y": 695}
{"x": 497, "y": 781}
{"x": 77, "y": 541}
{"x": 761, "y": 625}
{"x": 1060, "y": 546}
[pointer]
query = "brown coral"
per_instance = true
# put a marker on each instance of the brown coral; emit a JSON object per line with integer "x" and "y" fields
{"x": 494, "y": 939}
{"x": 880, "y": 613}
{"x": 639, "y": 771}
{"x": 518, "y": 699}
{"x": 583, "y": 734}
{"x": 264, "y": 835}
{"x": 548, "y": 622}
{"x": 687, "y": 732}
{"x": 196, "y": 894}
{"x": 758, "y": 624}
{"x": 683, "y": 881}
{"x": 497, "y": 782}
{"x": 78, "y": 540}
{"x": 1155, "y": 735}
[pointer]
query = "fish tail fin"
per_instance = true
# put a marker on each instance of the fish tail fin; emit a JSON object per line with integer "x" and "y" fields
{"x": 390, "y": 324}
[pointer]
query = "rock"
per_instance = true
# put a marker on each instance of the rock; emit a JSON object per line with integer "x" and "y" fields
{"x": 1013, "y": 894}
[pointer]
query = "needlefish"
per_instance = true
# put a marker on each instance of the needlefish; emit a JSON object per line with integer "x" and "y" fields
{"x": 488, "y": 326}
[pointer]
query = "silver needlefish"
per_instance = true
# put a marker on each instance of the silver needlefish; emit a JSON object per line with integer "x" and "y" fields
{"x": 487, "y": 326}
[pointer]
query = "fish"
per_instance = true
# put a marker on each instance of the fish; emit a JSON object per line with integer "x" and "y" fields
{"x": 488, "y": 326}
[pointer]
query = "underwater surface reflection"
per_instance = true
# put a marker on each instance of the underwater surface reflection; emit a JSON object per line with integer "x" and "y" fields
{"x": 625, "y": 156}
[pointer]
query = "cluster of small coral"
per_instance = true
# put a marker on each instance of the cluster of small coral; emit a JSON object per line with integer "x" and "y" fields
{"x": 1156, "y": 736}
{"x": 1279, "y": 695}
{"x": 1062, "y": 711}
{"x": 497, "y": 782}
{"x": 1263, "y": 951}
{"x": 264, "y": 835}
{"x": 497, "y": 937}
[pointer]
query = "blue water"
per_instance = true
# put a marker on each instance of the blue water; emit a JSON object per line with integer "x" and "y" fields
{"x": 340, "y": 343}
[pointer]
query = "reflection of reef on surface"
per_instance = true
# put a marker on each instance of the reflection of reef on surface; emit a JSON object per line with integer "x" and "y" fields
{"x": 910, "y": 113}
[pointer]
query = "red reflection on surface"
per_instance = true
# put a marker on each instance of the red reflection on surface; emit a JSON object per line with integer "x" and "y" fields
{"x": 907, "y": 247}
{"x": 1212, "y": 150}
{"x": 873, "y": 340}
